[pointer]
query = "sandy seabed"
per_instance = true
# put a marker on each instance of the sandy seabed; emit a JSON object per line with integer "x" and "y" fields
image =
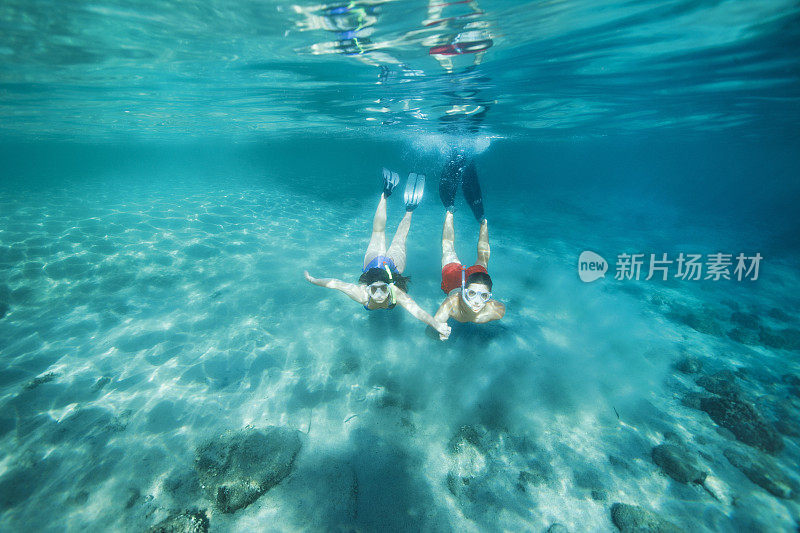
{"x": 141, "y": 323}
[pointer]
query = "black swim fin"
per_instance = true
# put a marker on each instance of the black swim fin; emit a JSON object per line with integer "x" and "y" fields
{"x": 449, "y": 181}
{"x": 472, "y": 190}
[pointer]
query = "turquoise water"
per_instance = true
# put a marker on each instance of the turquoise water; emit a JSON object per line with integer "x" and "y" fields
{"x": 171, "y": 169}
{"x": 160, "y": 71}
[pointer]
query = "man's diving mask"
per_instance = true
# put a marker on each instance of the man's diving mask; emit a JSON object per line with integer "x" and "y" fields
{"x": 477, "y": 296}
{"x": 473, "y": 297}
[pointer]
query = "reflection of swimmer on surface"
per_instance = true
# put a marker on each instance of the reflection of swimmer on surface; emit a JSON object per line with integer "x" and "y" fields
{"x": 352, "y": 23}
{"x": 464, "y": 112}
{"x": 382, "y": 285}
{"x": 459, "y": 33}
{"x": 469, "y": 290}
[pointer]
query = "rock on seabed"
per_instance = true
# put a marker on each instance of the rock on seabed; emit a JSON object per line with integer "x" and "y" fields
{"x": 721, "y": 383}
{"x": 237, "y": 468}
{"x": 678, "y": 463}
{"x": 743, "y": 421}
{"x": 763, "y": 471}
{"x": 186, "y": 522}
{"x": 635, "y": 519}
{"x": 689, "y": 365}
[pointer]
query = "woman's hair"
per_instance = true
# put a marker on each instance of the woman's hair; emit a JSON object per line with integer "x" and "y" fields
{"x": 379, "y": 274}
{"x": 479, "y": 277}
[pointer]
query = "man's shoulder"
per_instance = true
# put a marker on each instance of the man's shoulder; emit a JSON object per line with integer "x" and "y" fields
{"x": 494, "y": 310}
{"x": 500, "y": 306}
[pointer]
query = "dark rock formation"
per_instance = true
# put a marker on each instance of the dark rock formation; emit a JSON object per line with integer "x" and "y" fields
{"x": 659, "y": 300}
{"x": 186, "y": 522}
{"x": 133, "y": 496}
{"x": 689, "y": 365}
{"x": 469, "y": 450}
{"x": 692, "y": 399}
{"x": 634, "y": 519}
{"x": 786, "y": 416}
{"x": 743, "y": 421}
{"x": 791, "y": 338}
{"x": 474, "y": 435}
{"x": 236, "y": 468}
{"x": 590, "y": 480}
{"x": 778, "y": 314}
{"x": 746, "y": 320}
{"x": 3, "y": 309}
{"x": 745, "y": 336}
{"x": 764, "y": 472}
{"x": 794, "y": 383}
{"x": 785, "y": 339}
{"x": 557, "y": 528}
{"x": 678, "y": 463}
{"x": 790, "y": 428}
{"x": 619, "y": 463}
{"x": 701, "y": 320}
{"x": 40, "y": 380}
{"x": 491, "y": 471}
{"x": 722, "y": 383}
{"x": 538, "y": 473}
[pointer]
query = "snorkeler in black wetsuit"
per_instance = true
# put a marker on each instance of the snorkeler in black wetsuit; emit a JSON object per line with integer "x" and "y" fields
{"x": 460, "y": 170}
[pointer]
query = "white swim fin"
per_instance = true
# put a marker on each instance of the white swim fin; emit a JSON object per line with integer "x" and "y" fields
{"x": 415, "y": 188}
{"x": 390, "y": 181}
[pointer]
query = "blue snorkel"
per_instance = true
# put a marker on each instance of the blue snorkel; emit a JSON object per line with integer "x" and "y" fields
{"x": 463, "y": 293}
{"x": 464, "y": 297}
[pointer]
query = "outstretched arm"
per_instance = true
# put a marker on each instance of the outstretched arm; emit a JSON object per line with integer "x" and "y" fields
{"x": 443, "y": 314}
{"x": 420, "y": 314}
{"x": 355, "y": 292}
